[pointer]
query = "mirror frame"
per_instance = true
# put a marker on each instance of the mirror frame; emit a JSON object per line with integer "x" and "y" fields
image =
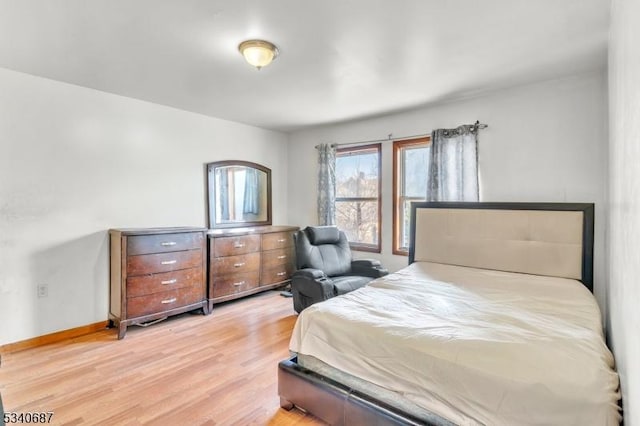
{"x": 211, "y": 168}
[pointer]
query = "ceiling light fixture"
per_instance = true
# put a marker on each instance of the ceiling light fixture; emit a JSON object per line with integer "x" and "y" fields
{"x": 258, "y": 53}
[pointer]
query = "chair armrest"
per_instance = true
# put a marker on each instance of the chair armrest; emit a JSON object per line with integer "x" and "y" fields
{"x": 368, "y": 268}
{"x": 313, "y": 274}
{"x": 310, "y": 286}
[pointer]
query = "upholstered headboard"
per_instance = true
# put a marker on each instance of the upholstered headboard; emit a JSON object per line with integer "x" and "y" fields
{"x": 554, "y": 239}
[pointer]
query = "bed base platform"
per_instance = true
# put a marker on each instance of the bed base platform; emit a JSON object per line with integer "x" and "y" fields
{"x": 336, "y": 403}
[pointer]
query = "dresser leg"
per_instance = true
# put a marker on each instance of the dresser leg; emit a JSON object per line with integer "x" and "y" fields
{"x": 205, "y": 308}
{"x": 286, "y": 404}
{"x": 122, "y": 330}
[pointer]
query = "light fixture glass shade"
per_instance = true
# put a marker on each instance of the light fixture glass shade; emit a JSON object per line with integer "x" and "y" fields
{"x": 258, "y": 53}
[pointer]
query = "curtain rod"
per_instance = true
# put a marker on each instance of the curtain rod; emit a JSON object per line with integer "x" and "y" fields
{"x": 391, "y": 138}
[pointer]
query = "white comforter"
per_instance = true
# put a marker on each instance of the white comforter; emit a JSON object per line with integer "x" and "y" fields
{"x": 471, "y": 345}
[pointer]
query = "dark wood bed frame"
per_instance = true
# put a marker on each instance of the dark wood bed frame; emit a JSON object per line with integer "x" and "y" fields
{"x": 339, "y": 404}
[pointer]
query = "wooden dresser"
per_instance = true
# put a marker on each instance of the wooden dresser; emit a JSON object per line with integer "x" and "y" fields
{"x": 244, "y": 261}
{"x": 155, "y": 273}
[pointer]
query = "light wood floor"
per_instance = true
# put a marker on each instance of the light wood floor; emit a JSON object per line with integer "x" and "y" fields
{"x": 219, "y": 369}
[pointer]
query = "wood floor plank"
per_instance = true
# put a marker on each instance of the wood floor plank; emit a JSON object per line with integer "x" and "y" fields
{"x": 219, "y": 369}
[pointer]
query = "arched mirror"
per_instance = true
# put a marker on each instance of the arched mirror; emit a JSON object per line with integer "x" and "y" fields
{"x": 239, "y": 194}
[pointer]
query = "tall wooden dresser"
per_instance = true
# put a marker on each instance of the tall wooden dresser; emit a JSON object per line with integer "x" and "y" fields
{"x": 245, "y": 261}
{"x": 155, "y": 273}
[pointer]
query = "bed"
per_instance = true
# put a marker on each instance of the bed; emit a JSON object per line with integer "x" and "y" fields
{"x": 493, "y": 322}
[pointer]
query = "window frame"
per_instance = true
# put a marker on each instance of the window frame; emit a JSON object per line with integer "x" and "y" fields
{"x": 397, "y": 182}
{"x": 372, "y": 248}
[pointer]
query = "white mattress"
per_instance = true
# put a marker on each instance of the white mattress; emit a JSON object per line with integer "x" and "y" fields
{"x": 495, "y": 348}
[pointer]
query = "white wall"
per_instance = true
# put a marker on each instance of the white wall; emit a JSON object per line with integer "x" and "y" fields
{"x": 624, "y": 202}
{"x": 545, "y": 142}
{"x": 75, "y": 162}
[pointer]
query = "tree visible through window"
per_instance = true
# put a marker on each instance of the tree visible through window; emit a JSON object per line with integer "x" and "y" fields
{"x": 358, "y": 195}
{"x": 410, "y": 172}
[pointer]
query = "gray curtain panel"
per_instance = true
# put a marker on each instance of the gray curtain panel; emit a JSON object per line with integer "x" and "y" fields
{"x": 326, "y": 184}
{"x": 251, "y": 202}
{"x": 453, "y": 174}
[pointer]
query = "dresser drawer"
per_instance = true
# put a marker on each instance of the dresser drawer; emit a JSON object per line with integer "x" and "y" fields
{"x": 163, "y": 262}
{"x": 235, "y": 283}
{"x": 155, "y": 283}
{"x": 276, "y": 274}
{"x": 232, "y": 264}
{"x": 277, "y": 240}
{"x": 161, "y": 243}
{"x": 164, "y": 301}
{"x": 231, "y": 246}
{"x": 273, "y": 258}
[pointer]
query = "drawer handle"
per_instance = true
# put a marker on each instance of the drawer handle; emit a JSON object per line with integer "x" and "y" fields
{"x": 173, "y": 281}
{"x": 168, "y": 262}
{"x": 168, "y": 243}
{"x": 239, "y": 283}
{"x": 282, "y": 257}
{"x": 237, "y": 265}
{"x": 173, "y": 299}
{"x": 281, "y": 274}
{"x": 238, "y": 245}
{"x": 281, "y": 240}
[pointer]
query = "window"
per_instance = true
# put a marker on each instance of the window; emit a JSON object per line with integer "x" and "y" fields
{"x": 410, "y": 171}
{"x": 358, "y": 196}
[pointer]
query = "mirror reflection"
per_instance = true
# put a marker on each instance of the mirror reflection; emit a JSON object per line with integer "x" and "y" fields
{"x": 239, "y": 194}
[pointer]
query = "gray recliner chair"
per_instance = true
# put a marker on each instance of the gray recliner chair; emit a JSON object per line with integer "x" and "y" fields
{"x": 325, "y": 268}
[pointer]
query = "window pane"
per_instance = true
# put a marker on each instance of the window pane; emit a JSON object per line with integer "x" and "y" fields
{"x": 405, "y": 225}
{"x": 357, "y": 193}
{"x": 411, "y": 170}
{"x": 357, "y": 175}
{"x": 416, "y": 170}
{"x": 359, "y": 220}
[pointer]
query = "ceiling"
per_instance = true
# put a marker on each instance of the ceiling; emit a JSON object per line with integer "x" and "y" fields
{"x": 339, "y": 60}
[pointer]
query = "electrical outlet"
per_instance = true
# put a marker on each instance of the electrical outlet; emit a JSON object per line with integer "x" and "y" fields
{"x": 43, "y": 290}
